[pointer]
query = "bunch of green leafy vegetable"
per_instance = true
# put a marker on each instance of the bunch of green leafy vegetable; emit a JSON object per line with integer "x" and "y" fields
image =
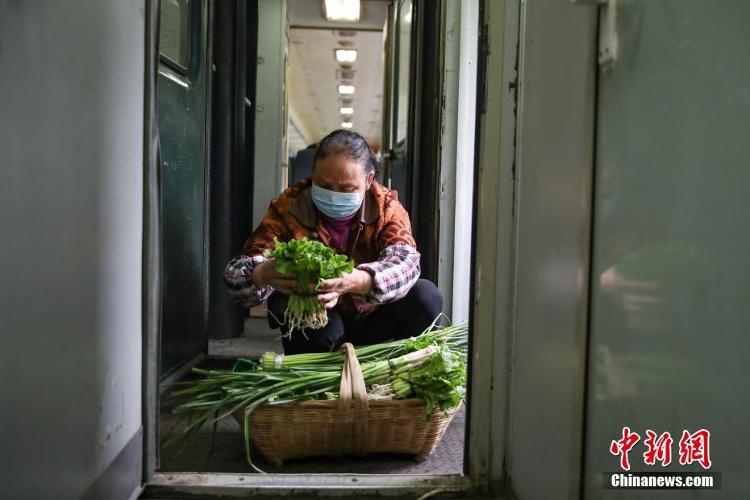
{"x": 309, "y": 262}
{"x": 440, "y": 381}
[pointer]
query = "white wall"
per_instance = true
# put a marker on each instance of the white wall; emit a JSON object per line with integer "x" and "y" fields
{"x": 457, "y": 177}
{"x": 465, "y": 159}
{"x": 270, "y": 149}
{"x": 451, "y": 40}
{"x": 71, "y": 127}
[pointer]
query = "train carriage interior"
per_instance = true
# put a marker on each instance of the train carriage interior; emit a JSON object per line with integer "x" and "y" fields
{"x": 285, "y": 74}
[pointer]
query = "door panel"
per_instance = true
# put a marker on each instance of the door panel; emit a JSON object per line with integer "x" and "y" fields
{"x": 670, "y": 282}
{"x": 181, "y": 91}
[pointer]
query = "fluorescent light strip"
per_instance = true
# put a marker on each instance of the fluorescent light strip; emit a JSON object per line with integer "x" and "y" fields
{"x": 346, "y": 55}
{"x": 342, "y": 10}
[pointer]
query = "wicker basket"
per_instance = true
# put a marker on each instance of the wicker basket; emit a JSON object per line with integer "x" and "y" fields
{"x": 351, "y": 425}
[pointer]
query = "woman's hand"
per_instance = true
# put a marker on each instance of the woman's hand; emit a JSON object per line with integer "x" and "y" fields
{"x": 329, "y": 299}
{"x": 265, "y": 274}
{"x": 358, "y": 281}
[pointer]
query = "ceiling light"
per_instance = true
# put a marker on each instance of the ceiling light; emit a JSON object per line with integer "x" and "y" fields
{"x": 346, "y": 55}
{"x": 342, "y": 10}
{"x": 347, "y": 111}
{"x": 346, "y": 125}
{"x": 346, "y": 89}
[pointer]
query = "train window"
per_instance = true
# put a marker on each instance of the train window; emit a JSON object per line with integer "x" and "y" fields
{"x": 174, "y": 34}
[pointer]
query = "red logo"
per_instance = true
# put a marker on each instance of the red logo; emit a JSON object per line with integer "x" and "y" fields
{"x": 692, "y": 447}
{"x": 623, "y": 446}
{"x": 658, "y": 448}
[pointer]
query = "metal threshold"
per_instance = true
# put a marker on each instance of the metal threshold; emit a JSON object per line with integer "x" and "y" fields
{"x": 202, "y": 485}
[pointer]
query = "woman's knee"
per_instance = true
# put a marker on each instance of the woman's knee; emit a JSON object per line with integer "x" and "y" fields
{"x": 427, "y": 297}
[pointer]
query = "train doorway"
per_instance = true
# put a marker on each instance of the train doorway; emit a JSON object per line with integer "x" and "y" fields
{"x": 245, "y": 89}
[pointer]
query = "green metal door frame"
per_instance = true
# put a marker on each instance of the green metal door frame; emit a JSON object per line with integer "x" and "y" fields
{"x": 184, "y": 111}
{"x": 548, "y": 300}
{"x": 151, "y": 273}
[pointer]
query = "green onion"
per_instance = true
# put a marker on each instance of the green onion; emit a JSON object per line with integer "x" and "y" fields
{"x": 431, "y": 366}
{"x": 456, "y": 336}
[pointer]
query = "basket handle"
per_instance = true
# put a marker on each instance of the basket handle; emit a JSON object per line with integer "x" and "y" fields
{"x": 353, "y": 396}
{"x": 352, "y": 386}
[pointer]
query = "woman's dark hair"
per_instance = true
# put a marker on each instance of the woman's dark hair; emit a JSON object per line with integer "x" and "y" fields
{"x": 351, "y": 144}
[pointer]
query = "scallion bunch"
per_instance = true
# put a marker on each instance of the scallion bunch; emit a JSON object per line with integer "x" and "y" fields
{"x": 431, "y": 366}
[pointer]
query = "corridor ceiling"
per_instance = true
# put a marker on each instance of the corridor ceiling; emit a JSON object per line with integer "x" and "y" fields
{"x": 315, "y": 74}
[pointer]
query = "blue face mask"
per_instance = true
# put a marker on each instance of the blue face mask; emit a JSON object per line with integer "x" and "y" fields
{"x": 334, "y": 204}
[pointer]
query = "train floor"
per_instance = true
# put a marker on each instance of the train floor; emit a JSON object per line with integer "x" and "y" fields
{"x": 224, "y": 449}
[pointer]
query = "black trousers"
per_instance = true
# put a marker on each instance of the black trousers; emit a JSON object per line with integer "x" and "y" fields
{"x": 403, "y": 318}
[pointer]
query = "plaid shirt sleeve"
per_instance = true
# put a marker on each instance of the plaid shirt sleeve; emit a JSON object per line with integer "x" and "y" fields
{"x": 393, "y": 274}
{"x": 237, "y": 276}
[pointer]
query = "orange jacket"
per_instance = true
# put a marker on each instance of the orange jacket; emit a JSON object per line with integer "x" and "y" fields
{"x": 382, "y": 222}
